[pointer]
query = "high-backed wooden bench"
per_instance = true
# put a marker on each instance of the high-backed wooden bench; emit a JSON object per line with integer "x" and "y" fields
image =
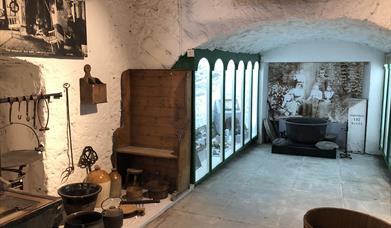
{"x": 155, "y": 132}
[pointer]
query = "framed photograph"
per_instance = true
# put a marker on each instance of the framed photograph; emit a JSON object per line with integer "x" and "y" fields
{"x": 315, "y": 89}
{"x": 48, "y": 28}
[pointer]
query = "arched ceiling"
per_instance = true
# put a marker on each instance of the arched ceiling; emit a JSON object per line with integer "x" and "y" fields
{"x": 263, "y": 37}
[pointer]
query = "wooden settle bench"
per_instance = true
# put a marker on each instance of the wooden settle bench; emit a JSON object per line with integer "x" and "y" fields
{"x": 155, "y": 132}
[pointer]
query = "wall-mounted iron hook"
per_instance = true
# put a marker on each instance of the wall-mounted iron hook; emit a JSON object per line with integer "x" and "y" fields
{"x": 10, "y": 101}
{"x": 39, "y": 96}
{"x": 19, "y": 100}
{"x": 35, "y": 101}
{"x": 27, "y": 108}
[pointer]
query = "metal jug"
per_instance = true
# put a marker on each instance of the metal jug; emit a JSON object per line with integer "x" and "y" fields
{"x": 112, "y": 214}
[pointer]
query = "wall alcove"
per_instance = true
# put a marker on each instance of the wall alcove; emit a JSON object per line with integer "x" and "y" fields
{"x": 316, "y": 40}
{"x": 21, "y": 78}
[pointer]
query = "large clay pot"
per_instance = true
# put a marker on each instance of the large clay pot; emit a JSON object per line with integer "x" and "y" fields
{"x": 115, "y": 190}
{"x": 101, "y": 177}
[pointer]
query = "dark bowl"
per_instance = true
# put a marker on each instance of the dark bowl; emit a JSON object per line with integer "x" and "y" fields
{"x": 306, "y": 130}
{"x": 84, "y": 219}
{"x": 79, "y": 196}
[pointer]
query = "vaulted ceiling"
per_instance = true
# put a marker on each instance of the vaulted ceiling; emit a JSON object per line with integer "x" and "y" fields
{"x": 266, "y": 36}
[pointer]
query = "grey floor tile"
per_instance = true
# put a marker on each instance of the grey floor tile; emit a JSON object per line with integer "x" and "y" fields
{"x": 175, "y": 218}
{"x": 380, "y": 210}
{"x": 366, "y": 192}
{"x": 291, "y": 217}
{"x": 261, "y": 189}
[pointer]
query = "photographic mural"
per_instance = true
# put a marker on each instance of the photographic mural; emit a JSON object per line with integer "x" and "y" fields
{"x": 314, "y": 89}
{"x": 43, "y": 28}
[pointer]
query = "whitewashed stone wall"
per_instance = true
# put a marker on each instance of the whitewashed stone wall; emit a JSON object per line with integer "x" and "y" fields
{"x": 108, "y": 57}
{"x": 14, "y": 74}
{"x": 152, "y": 34}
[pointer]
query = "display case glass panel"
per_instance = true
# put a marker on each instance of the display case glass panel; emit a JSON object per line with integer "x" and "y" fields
{"x": 228, "y": 109}
{"x": 201, "y": 131}
{"x": 239, "y": 109}
{"x": 254, "y": 108}
{"x": 387, "y": 97}
{"x": 217, "y": 130}
{"x": 247, "y": 103}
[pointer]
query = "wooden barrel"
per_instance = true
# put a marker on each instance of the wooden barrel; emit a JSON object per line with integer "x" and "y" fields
{"x": 341, "y": 218}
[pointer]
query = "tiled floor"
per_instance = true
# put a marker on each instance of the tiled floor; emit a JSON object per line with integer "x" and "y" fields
{"x": 261, "y": 189}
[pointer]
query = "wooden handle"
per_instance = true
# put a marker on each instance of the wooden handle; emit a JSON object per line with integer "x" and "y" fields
{"x": 129, "y": 209}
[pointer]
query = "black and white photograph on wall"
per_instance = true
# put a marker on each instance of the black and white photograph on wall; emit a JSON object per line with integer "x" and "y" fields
{"x": 50, "y": 28}
{"x": 314, "y": 89}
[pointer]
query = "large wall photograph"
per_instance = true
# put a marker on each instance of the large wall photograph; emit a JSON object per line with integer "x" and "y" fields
{"x": 314, "y": 89}
{"x": 53, "y": 28}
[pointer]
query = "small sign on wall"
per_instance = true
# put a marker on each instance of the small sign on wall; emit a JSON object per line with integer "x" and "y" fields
{"x": 357, "y": 118}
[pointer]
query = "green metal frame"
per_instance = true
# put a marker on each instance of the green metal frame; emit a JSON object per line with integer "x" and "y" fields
{"x": 388, "y": 97}
{"x": 192, "y": 157}
{"x": 257, "y": 104}
{"x": 384, "y": 108}
{"x": 385, "y": 132}
{"x": 251, "y": 102}
{"x": 191, "y": 63}
{"x": 210, "y": 116}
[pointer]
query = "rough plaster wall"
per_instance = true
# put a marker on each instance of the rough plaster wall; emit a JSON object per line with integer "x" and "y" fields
{"x": 152, "y": 34}
{"x": 258, "y": 25}
{"x": 107, "y": 41}
{"x": 166, "y": 28}
{"x": 266, "y": 37}
{"x": 13, "y": 77}
{"x": 155, "y": 36}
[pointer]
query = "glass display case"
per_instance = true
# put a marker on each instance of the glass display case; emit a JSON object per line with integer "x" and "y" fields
{"x": 225, "y": 116}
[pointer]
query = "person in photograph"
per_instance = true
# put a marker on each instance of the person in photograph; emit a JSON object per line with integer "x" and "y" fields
{"x": 316, "y": 94}
{"x": 289, "y": 105}
{"x": 328, "y": 94}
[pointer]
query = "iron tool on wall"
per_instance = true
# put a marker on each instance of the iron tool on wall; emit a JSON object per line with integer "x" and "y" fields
{"x": 69, "y": 170}
{"x": 20, "y": 158}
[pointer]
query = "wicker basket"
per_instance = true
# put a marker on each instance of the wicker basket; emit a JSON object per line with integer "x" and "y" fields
{"x": 157, "y": 190}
